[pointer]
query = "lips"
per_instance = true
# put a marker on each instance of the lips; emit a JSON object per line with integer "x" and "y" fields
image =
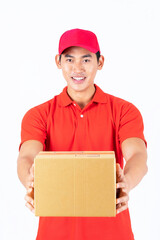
{"x": 78, "y": 79}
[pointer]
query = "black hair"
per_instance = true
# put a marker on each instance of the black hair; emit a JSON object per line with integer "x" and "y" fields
{"x": 60, "y": 56}
{"x": 97, "y": 55}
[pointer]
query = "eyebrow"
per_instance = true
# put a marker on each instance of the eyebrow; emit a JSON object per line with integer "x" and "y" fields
{"x": 84, "y": 56}
{"x": 68, "y": 56}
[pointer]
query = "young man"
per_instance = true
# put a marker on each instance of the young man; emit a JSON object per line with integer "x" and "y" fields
{"x": 84, "y": 118}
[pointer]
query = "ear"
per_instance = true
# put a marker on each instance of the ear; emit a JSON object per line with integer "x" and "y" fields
{"x": 58, "y": 62}
{"x": 101, "y": 62}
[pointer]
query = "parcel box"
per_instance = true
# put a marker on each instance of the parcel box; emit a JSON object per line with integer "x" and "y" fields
{"x": 75, "y": 184}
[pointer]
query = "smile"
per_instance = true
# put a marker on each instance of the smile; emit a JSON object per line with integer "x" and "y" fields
{"x": 78, "y": 80}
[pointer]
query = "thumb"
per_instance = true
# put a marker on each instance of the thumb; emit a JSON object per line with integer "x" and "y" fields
{"x": 118, "y": 168}
{"x": 119, "y": 172}
{"x": 32, "y": 170}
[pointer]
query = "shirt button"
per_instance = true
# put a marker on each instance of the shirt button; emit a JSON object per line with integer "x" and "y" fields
{"x": 74, "y": 104}
{"x": 81, "y": 115}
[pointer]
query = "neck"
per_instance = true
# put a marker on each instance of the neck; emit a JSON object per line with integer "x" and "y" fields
{"x": 82, "y": 98}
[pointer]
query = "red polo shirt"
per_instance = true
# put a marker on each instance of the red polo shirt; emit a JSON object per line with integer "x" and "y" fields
{"x": 102, "y": 125}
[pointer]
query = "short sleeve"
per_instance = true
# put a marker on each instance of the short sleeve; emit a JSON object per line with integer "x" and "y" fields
{"x": 33, "y": 126}
{"x": 131, "y": 123}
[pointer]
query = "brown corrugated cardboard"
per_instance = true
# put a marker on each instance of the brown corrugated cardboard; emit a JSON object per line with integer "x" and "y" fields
{"x": 75, "y": 184}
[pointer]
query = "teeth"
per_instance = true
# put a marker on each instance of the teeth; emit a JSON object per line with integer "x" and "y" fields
{"x": 78, "y": 78}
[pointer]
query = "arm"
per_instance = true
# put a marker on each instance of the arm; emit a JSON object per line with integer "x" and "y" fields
{"x": 135, "y": 155}
{"x": 25, "y": 168}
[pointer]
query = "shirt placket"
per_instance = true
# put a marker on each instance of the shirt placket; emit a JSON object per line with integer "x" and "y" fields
{"x": 81, "y": 127}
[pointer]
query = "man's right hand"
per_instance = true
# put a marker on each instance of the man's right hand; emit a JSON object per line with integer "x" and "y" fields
{"x": 25, "y": 168}
{"x": 29, "y": 197}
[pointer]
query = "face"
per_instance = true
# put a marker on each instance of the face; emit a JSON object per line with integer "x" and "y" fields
{"x": 79, "y": 67}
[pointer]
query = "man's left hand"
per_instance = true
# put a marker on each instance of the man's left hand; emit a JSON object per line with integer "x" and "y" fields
{"x": 122, "y": 190}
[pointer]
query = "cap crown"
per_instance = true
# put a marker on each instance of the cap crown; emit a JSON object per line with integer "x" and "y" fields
{"x": 79, "y": 38}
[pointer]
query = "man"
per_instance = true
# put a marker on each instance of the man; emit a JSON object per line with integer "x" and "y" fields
{"x": 84, "y": 118}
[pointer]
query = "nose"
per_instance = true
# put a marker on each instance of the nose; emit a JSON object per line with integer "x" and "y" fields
{"x": 78, "y": 67}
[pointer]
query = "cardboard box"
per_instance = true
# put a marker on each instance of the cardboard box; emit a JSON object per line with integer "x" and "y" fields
{"x": 75, "y": 184}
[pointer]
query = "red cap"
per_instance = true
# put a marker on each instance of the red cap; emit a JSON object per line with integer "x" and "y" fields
{"x": 79, "y": 38}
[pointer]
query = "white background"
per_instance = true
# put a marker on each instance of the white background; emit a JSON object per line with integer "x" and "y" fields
{"x": 128, "y": 33}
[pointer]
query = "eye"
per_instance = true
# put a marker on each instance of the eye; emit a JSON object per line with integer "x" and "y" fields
{"x": 86, "y": 60}
{"x": 69, "y": 60}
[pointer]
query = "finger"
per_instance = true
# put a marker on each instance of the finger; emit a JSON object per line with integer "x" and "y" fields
{"x": 122, "y": 208}
{"x": 30, "y": 184}
{"x": 29, "y": 199}
{"x": 30, "y": 190}
{"x": 31, "y": 208}
{"x": 122, "y": 200}
{"x": 118, "y": 205}
{"x": 30, "y": 193}
{"x": 124, "y": 190}
{"x": 121, "y": 185}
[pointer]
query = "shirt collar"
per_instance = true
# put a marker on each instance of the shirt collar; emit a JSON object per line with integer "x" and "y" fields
{"x": 99, "y": 97}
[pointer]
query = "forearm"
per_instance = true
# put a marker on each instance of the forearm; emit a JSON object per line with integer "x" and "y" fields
{"x": 135, "y": 169}
{"x": 28, "y": 151}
